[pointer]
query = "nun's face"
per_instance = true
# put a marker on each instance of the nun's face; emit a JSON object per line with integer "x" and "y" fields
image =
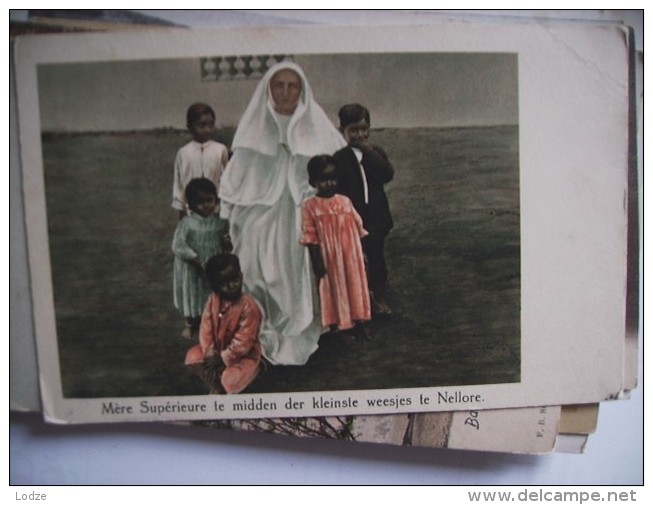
{"x": 286, "y": 88}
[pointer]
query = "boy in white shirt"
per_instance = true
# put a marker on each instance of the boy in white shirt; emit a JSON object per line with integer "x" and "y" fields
{"x": 201, "y": 157}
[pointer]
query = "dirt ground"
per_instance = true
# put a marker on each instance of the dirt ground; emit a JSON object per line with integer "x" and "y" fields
{"x": 454, "y": 259}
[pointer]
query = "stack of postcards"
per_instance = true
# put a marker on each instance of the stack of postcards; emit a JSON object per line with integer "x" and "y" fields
{"x": 512, "y": 263}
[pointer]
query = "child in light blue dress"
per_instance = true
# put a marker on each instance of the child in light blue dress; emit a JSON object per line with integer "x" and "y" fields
{"x": 199, "y": 236}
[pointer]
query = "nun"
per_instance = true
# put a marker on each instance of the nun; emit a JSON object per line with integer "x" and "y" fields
{"x": 261, "y": 193}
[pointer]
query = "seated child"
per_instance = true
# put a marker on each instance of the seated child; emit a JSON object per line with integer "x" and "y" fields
{"x": 332, "y": 232}
{"x": 201, "y": 157}
{"x": 228, "y": 356}
{"x": 363, "y": 169}
{"x": 199, "y": 236}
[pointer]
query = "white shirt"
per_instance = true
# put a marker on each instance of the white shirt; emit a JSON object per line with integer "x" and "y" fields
{"x": 359, "y": 156}
{"x": 195, "y": 160}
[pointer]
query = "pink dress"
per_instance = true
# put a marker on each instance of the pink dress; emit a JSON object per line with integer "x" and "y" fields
{"x": 334, "y": 224}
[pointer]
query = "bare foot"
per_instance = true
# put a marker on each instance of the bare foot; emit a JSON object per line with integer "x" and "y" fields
{"x": 380, "y": 306}
{"x": 384, "y": 308}
{"x": 187, "y": 334}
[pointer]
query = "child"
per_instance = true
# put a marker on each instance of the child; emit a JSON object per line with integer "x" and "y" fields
{"x": 228, "y": 356}
{"x": 199, "y": 236}
{"x": 201, "y": 157}
{"x": 332, "y": 232}
{"x": 363, "y": 169}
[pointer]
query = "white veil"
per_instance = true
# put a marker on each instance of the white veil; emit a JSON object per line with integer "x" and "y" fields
{"x": 252, "y": 175}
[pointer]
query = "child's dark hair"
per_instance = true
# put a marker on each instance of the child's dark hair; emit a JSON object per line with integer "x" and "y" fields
{"x": 196, "y": 110}
{"x": 197, "y": 186}
{"x": 316, "y": 166}
{"x": 353, "y": 113}
{"x": 218, "y": 264}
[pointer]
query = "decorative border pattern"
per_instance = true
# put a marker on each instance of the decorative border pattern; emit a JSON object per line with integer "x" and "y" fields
{"x": 231, "y": 68}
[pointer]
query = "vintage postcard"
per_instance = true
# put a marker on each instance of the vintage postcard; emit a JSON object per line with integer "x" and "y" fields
{"x": 505, "y": 250}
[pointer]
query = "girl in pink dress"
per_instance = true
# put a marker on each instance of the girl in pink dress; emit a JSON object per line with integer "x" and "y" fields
{"x": 332, "y": 231}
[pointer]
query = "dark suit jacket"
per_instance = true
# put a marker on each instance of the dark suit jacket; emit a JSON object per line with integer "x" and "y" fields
{"x": 378, "y": 171}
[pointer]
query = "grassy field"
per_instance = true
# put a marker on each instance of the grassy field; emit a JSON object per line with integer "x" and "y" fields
{"x": 454, "y": 259}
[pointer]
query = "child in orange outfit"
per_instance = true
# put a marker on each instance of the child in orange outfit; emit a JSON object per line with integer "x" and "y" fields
{"x": 228, "y": 357}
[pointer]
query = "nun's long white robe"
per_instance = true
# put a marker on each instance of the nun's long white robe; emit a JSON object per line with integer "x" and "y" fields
{"x": 261, "y": 194}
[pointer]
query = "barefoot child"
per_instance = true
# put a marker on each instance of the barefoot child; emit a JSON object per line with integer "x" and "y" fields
{"x": 363, "y": 170}
{"x": 201, "y": 157}
{"x": 332, "y": 232}
{"x": 199, "y": 236}
{"x": 228, "y": 356}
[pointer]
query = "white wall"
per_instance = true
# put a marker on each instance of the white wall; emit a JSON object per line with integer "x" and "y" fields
{"x": 429, "y": 89}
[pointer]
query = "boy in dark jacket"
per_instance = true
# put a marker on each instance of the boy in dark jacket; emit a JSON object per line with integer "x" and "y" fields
{"x": 363, "y": 169}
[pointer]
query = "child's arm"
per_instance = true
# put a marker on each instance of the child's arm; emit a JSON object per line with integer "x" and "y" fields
{"x": 362, "y": 232}
{"x": 378, "y": 166}
{"x": 207, "y": 330}
{"x": 180, "y": 247}
{"x": 317, "y": 261}
{"x": 224, "y": 158}
{"x": 245, "y": 336}
{"x": 204, "y": 352}
{"x": 226, "y": 244}
{"x": 311, "y": 240}
{"x": 178, "y": 200}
